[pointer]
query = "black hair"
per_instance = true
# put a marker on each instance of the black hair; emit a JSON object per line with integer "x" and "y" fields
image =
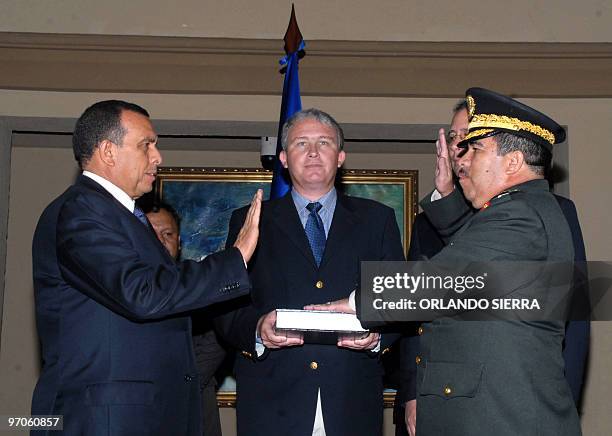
{"x": 536, "y": 157}
{"x": 100, "y": 121}
{"x": 156, "y": 207}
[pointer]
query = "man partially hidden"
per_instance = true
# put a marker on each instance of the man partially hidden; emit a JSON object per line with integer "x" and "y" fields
{"x": 209, "y": 354}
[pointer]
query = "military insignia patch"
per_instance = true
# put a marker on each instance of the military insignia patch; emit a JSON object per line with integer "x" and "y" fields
{"x": 471, "y": 106}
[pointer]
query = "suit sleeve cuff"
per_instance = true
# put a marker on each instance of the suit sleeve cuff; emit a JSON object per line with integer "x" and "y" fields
{"x": 435, "y": 196}
{"x": 260, "y": 348}
{"x": 351, "y": 301}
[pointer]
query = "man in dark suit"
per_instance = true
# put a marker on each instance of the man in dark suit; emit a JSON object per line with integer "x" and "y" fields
{"x": 286, "y": 386}
{"x": 110, "y": 300}
{"x": 577, "y": 332}
{"x": 424, "y": 243}
{"x": 502, "y": 378}
{"x": 209, "y": 354}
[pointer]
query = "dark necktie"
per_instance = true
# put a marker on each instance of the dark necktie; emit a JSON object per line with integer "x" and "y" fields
{"x": 315, "y": 232}
{"x": 141, "y": 216}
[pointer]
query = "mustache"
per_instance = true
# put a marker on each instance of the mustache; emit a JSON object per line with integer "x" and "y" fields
{"x": 462, "y": 172}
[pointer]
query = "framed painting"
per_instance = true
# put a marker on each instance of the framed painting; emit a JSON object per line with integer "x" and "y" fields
{"x": 206, "y": 197}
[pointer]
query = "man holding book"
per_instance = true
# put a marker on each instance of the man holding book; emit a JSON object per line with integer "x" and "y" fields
{"x": 311, "y": 243}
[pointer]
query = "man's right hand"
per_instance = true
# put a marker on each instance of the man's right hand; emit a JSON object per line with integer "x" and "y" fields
{"x": 246, "y": 241}
{"x": 270, "y": 337}
{"x": 444, "y": 171}
{"x": 410, "y": 417}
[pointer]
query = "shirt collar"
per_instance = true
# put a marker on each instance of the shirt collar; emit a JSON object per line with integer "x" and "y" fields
{"x": 326, "y": 201}
{"x": 120, "y": 195}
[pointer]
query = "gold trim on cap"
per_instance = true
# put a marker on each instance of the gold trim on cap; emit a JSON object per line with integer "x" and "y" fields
{"x": 509, "y": 123}
{"x": 471, "y": 104}
{"x": 475, "y": 133}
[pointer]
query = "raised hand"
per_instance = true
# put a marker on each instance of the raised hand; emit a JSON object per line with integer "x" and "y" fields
{"x": 444, "y": 173}
{"x": 246, "y": 241}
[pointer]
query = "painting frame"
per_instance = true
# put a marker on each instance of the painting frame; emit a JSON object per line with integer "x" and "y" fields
{"x": 225, "y": 189}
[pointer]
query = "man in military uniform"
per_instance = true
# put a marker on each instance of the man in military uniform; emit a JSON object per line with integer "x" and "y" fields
{"x": 502, "y": 377}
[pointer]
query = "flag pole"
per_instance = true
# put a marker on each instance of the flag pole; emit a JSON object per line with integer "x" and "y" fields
{"x": 291, "y": 101}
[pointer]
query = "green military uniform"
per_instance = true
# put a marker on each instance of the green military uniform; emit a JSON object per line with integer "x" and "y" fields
{"x": 497, "y": 377}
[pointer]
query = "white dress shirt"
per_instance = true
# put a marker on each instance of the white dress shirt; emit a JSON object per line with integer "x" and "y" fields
{"x": 113, "y": 190}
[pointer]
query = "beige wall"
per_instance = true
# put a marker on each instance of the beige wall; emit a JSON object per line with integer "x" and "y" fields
{"x": 385, "y": 20}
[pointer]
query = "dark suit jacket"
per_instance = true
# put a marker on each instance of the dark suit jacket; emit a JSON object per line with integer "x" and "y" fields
{"x": 424, "y": 243}
{"x": 117, "y": 353}
{"x": 498, "y": 377}
{"x": 277, "y": 394}
{"x": 577, "y": 332}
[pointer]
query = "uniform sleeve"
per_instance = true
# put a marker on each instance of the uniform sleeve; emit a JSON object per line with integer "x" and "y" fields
{"x": 447, "y": 214}
{"x": 409, "y": 349}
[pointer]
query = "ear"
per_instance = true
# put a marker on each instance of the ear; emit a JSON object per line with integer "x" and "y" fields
{"x": 106, "y": 151}
{"x": 514, "y": 162}
{"x": 283, "y": 158}
{"x": 341, "y": 158}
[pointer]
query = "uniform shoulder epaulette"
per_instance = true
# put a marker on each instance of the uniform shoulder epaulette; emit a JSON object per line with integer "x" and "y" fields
{"x": 502, "y": 198}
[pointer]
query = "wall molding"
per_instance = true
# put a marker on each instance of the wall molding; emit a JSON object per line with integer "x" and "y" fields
{"x": 181, "y": 65}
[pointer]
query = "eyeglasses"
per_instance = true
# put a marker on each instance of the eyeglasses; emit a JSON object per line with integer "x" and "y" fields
{"x": 452, "y": 136}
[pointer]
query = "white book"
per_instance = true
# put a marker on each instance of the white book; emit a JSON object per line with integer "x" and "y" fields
{"x": 318, "y": 321}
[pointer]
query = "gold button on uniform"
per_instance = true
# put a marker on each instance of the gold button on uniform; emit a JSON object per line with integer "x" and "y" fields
{"x": 247, "y": 354}
{"x": 418, "y": 360}
{"x": 314, "y": 365}
{"x": 420, "y": 331}
{"x": 447, "y": 390}
{"x": 319, "y": 284}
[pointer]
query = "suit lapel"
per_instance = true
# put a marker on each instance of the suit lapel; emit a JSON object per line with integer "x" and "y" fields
{"x": 286, "y": 218}
{"x": 341, "y": 230}
{"x": 93, "y": 185}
